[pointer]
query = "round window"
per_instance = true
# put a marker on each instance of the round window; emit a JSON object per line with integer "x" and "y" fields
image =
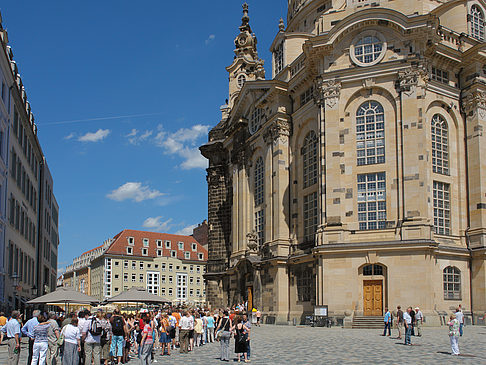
{"x": 255, "y": 120}
{"x": 368, "y": 49}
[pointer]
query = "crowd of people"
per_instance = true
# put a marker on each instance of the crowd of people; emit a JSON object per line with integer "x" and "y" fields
{"x": 98, "y": 337}
{"x": 409, "y": 323}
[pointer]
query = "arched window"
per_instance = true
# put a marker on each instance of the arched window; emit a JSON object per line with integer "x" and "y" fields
{"x": 370, "y": 133}
{"x": 440, "y": 145}
{"x": 452, "y": 282}
{"x": 372, "y": 269}
{"x": 476, "y": 17}
{"x": 259, "y": 179}
{"x": 309, "y": 154}
{"x": 259, "y": 199}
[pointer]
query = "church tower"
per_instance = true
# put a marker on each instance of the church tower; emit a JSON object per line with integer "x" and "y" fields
{"x": 246, "y": 65}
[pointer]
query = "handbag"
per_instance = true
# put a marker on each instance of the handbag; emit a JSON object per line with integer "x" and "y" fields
{"x": 60, "y": 340}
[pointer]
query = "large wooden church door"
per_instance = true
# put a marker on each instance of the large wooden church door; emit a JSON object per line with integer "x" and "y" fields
{"x": 373, "y": 297}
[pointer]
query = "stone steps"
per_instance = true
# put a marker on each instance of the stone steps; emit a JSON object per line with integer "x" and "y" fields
{"x": 368, "y": 322}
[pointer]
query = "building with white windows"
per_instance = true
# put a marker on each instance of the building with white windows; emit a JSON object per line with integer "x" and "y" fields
{"x": 168, "y": 265}
{"x": 353, "y": 176}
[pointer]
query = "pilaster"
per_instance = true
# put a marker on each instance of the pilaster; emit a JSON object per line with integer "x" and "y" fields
{"x": 474, "y": 107}
{"x": 416, "y": 176}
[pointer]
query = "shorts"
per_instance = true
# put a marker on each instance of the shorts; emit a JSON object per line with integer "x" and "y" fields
{"x": 105, "y": 351}
{"x": 117, "y": 345}
{"x": 172, "y": 333}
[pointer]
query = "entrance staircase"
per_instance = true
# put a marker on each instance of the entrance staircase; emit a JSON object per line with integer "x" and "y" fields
{"x": 368, "y": 322}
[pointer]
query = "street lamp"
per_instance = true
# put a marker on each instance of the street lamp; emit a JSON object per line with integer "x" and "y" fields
{"x": 15, "y": 282}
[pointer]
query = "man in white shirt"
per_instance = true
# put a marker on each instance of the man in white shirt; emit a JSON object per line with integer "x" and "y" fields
{"x": 81, "y": 321}
{"x": 91, "y": 340}
{"x": 186, "y": 323}
{"x": 419, "y": 319}
{"x": 460, "y": 319}
{"x": 407, "y": 320}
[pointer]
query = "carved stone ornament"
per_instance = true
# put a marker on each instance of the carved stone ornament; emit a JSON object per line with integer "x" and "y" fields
{"x": 328, "y": 92}
{"x": 252, "y": 241}
{"x": 409, "y": 78}
{"x": 278, "y": 131}
{"x": 215, "y": 176}
{"x": 475, "y": 102}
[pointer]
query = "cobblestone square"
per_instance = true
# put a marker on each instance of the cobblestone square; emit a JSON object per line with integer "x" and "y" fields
{"x": 305, "y": 345}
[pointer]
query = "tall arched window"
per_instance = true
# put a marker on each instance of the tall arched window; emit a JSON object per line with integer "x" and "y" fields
{"x": 476, "y": 18}
{"x": 370, "y": 133}
{"x": 440, "y": 145}
{"x": 309, "y": 154}
{"x": 452, "y": 282}
{"x": 259, "y": 178}
{"x": 259, "y": 199}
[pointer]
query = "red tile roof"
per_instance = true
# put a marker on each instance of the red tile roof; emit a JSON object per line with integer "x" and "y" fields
{"x": 120, "y": 244}
{"x": 84, "y": 253}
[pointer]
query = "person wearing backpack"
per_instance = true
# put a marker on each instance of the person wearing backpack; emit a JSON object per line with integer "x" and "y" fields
{"x": 119, "y": 329}
{"x": 91, "y": 336}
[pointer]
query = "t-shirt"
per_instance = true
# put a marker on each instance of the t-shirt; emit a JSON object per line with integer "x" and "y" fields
{"x": 148, "y": 330}
{"x": 387, "y": 317}
{"x": 210, "y": 322}
{"x": 172, "y": 321}
{"x": 198, "y": 327}
{"x": 232, "y": 316}
{"x": 407, "y": 318}
{"x": 460, "y": 316}
{"x": 40, "y": 332}
{"x": 89, "y": 337}
{"x": 400, "y": 316}
{"x": 51, "y": 333}
{"x": 71, "y": 334}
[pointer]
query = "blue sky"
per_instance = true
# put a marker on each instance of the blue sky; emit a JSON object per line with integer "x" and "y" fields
{"x": 123, "y": 93}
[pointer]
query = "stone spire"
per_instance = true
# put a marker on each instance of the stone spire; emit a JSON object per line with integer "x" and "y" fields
{"x": 246, "y": 41}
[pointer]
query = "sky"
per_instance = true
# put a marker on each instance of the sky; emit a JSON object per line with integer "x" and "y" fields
{"x": 124, "y": 93}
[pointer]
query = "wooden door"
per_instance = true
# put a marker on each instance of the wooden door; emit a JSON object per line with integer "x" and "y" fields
{"x": 373, "y": 298}
{"x": 250, "y": 299}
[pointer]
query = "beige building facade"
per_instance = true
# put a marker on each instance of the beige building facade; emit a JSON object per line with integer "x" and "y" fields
{"x": 353, "y": 177}
{"x": 171, "y": 266}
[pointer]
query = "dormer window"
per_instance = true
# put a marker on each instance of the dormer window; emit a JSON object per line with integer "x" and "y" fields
{"x": 180, "y": 245}
{"x": 278, "y": 58}
{"x": 144, "y": 251}
{"x": 167, "y": 244}
{"x": 131, "y": 241}
{"x": 145, "y": 242}
{"x": 159, "y": 253}
{"x": 194, "y": 246}
{"x": 187, "y": 255}
{"x": 200, "y": 256}
{"x": 173, "y": 254}
{"x": 129, "y": 250}
{"x": 159, "y": 243}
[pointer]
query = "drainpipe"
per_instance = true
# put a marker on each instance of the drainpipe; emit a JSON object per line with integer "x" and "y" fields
{"x": 468, "y": 215}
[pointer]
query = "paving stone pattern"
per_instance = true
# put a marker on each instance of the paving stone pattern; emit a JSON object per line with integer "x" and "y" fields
{"x": 305, "y": 345}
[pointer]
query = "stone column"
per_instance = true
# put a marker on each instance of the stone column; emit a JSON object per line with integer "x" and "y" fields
{"x": 416, "y": 172}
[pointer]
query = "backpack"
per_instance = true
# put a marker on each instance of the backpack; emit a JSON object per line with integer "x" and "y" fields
{"x": 118, "y": 325}
{"x": 95, "y": 328}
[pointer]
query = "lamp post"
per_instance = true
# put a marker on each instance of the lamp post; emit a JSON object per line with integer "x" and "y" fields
{"x": 15, "y": 283}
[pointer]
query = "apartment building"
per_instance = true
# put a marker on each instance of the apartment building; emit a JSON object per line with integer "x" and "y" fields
{"x": 168, "y": 265}
{"x": 29, "y": 213}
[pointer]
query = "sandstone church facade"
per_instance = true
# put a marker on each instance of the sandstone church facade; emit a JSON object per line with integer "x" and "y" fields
{"x": 354, "y": 177}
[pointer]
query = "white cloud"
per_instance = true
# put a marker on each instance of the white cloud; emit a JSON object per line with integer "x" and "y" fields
{"x": 97, "y": 136}
{"x": 157, "y": 224}
{"x": 69, "y": 136}
{"x": 183, "y": 144}
{"x": 211, "y": 38}
{"x": 186, "y": 231}
{"x": 134, "y": 191}
{"x": 135, "y": 138}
